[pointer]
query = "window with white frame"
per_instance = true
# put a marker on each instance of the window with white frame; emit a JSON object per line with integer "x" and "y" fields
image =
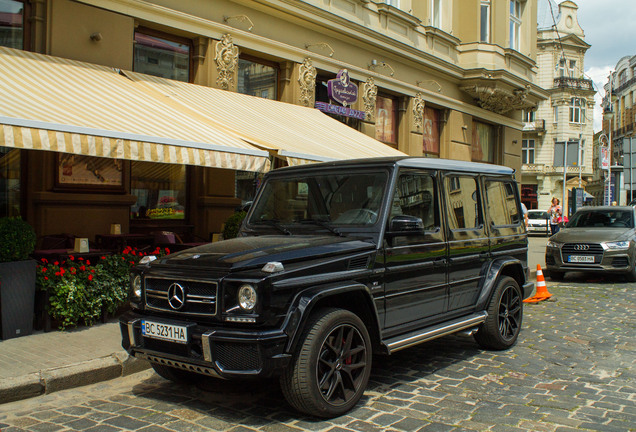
{"x": 436, "y": 13}
{"x": 528, "y": 116}
{"x": 527, "y": 151}
{"x": 577, "y": 110}
{"x": 571, "y": 68}
{"x": 561, "y": 67}
{"x": 515, "y": 24}
{"x": 484, "y": 24}
{"x": 395, "y": 3}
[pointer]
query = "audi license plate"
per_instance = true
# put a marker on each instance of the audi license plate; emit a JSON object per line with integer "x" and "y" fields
{"x": 168, "y": 332}
{"x": 580, "y": 259}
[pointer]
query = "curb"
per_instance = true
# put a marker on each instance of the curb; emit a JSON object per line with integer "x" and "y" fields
{"x": 76, "y": 375}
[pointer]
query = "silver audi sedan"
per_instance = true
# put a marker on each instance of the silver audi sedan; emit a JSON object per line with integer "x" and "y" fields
{"x": 597, "y": 239}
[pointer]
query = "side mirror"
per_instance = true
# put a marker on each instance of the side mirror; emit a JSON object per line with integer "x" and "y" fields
{"x": 405, "y": 224}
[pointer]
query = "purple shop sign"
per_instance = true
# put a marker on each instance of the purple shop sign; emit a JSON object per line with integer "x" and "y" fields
{"x": 342, "y": 90}
{"x": 340, "y": 110}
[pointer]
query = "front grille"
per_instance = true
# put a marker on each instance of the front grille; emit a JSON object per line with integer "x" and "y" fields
{"x": 200, "y": 296}
{"x": 620, "y": 262}
{"x": 587, "y": 249}
{"x": 237, "y": 356}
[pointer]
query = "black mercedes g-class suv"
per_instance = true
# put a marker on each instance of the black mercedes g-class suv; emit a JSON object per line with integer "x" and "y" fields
{"x": 335, "y": 262}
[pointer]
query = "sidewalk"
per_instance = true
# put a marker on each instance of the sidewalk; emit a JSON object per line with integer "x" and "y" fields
{"x": 57, "y": 360}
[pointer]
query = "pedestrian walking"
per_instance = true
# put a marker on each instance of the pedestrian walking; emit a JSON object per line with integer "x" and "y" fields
{"x": 552, "y": 211}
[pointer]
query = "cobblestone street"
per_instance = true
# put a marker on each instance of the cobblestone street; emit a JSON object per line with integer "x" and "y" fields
{"x": 573, "y": 369}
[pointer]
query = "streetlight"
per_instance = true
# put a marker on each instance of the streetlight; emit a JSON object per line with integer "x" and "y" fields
{"x": 609, "y": 114}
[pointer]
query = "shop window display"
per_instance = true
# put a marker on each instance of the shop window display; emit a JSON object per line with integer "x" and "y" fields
{"x": 160, "y": 190}
{"x": 9, "y": 182}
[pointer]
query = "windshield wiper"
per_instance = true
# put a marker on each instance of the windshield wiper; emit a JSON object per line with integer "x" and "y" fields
{"x": 323, "y": 224}
{"x": 275, "y": 223}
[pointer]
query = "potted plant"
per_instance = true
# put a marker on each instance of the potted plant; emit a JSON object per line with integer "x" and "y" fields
{"x": 233, "y": 224}
{"x": 17, "y": 277}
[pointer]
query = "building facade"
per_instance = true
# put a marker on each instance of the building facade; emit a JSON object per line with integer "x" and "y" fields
{"x": 619, "y": 116}
{"x": 560, "y": 129}
{"x": 438, "y": 79}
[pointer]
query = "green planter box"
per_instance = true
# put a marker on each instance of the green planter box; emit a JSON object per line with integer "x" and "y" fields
{"x": 17, "y": 295}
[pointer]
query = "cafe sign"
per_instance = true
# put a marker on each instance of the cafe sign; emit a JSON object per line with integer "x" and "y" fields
{"x": 342, "y": 90}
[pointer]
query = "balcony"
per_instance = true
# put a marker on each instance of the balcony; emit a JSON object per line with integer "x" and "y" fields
{"x": 534, "y": 126}
{"x": 573, "y": 83}
{"x": 623, "y": 86}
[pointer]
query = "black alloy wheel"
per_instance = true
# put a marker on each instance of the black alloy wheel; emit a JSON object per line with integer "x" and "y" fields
{"x": 509, "y": 313}
{"x": 331, "y": 367}
{"x": 341, "y": 364}
{"x": 505, "y": 315}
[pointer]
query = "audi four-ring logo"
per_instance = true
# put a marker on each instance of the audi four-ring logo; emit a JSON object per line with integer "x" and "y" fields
{"x": 176, "y": 296}
{"x": 581, "y": 247}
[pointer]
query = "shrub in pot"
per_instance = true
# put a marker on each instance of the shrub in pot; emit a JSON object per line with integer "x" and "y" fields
{"x": 17, "y": 277}
{"x": 233, "y": 224}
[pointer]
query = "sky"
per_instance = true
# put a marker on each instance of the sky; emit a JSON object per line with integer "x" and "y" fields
{"x": 609, "y": 26}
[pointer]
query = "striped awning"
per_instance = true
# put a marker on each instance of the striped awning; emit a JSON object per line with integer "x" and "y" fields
{"x": 296, "y": 133}
{"x": 56, "y": 104}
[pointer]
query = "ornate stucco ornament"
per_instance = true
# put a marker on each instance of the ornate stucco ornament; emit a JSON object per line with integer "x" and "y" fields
{"x": 369, "y": 96}
{"x": 307, "y": 81}
{"x": 418, "y": 110}
{"x": 226, "y": 62}
{"x": 499, "y": 100}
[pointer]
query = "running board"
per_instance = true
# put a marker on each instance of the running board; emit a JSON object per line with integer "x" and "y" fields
{"x": 430, "y": 333}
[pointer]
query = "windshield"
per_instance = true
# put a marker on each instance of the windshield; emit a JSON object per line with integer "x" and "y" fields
{"x": 538, "y": 215}
{"x": 325, "y": 200}
{"x": 602, "y": 219}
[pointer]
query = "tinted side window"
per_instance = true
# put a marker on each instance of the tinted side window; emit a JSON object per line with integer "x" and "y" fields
{"x": 501, "y": 203}
{"x": 415, "y": 196}
{"x": 463, "y": 202}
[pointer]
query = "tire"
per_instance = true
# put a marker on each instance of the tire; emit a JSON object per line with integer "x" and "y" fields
{"x": 331, "y": 367}
{"x": 556, "y": 275}
{"x": 505, "y": 315}
{"x": 175, "y": 375}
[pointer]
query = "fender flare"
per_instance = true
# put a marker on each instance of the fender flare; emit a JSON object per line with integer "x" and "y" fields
{"x": 492, "y": 274}
{"x": 305, "y": 302}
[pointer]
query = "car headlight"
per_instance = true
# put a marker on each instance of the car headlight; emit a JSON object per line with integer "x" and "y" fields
{"x": 136, "y": 286}
{"x": 555, "y": 245}
{"x": 617, "y": 245}
{"x": 247, "y": 297}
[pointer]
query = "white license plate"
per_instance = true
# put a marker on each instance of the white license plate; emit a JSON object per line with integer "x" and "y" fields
{"x": 169, "y": 332}
{"x": 581, "y": 258}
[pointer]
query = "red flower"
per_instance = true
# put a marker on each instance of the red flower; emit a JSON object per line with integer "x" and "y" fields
{"x": 83, "y": 268}
{"x": 134, "y": 252}
{"x": 88, "y": 262}
{"x": 92, "y": 271}
{"x": 132, "y": 262}
{"x": 57, "y": 273}
{"x": 44, "y": 269}
{"x": 72, "y": 270}
{"x": 46, "y": 278}
{"x": 62, "y": 271}
{"x": 56, "y": 263}
{"x": 71, "y": 257}
{"x": 103, "y": 257}
{"x": 81, "y": 259}
{"x": 168, "y": 251}
{"x": 90, "y": 277}
{"x": 44, "y": 260}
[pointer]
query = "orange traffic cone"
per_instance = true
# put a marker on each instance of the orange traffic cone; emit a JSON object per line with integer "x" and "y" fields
{"x": 542, "y": 291}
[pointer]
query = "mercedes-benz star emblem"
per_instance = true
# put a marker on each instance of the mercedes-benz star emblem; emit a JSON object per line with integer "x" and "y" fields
{"x": 581, "y": 247}
{"x": 176, "y": 296}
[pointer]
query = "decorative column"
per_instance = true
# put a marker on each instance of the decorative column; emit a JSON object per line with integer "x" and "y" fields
{"x": 226, "y": 58}
{"x": 307, "y": 82}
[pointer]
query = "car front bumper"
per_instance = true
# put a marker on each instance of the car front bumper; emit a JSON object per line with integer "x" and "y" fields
{"x": 610, "y": 261}
{"x": 212, "y": 351}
